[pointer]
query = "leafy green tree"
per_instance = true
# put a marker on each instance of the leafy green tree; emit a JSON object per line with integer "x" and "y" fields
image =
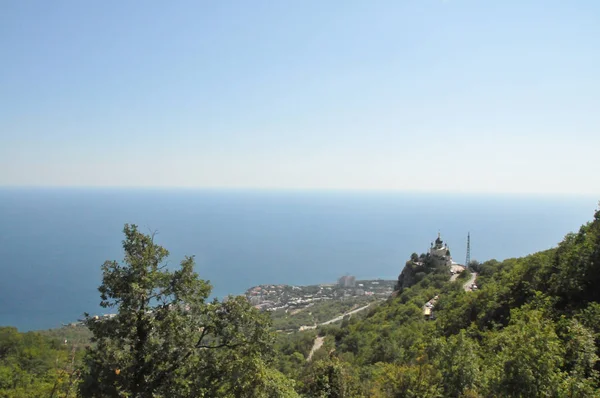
{"x": 474, "y": 266}
{"x": 166, "y": 340}
{"x": 465, "y": 275}
{"x": 419, "y": 380}
{"x": 458, "y": 360}
{"x": 580, "y": 359}
{"x": 331, "y": 378}
{"x": 525, "y": 358}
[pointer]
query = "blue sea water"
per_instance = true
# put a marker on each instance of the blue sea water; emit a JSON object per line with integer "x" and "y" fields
{"x": 53, "y": 241}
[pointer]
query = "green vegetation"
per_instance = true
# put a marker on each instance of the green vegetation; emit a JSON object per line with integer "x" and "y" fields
{"x": 465, "y": 275}
{"x": 292, "y": 351}
{"x": 78, "y": 337}
{"x": 417, "y": 268}
{"x": 33, "y": 365}
{"x": 166, "y": 340}
{"x": 531, "y": 330}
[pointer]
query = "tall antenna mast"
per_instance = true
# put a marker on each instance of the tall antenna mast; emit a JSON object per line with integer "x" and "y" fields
{"x": 468, "y": 260}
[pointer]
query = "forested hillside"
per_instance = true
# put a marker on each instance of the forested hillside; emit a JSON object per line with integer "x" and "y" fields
{"x": 33, "y": 365}
{"x": 532, "y": 329}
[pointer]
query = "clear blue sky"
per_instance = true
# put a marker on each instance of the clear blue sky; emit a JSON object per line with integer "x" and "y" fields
{"x": 456, "y": 95}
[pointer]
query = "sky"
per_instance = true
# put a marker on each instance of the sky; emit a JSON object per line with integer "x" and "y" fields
{"x": 428, "y": 95}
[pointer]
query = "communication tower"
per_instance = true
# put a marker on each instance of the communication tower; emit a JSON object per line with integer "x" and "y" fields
{"x": 468, "y": 260}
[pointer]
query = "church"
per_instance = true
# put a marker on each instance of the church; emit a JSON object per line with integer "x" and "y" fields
{"x": 440, "y": 252}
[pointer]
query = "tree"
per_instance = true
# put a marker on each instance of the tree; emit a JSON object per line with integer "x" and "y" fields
{"x": 474, "y": 266}
{"x": 166, "y": 340}
{"x": 331, "y": 378}
{"x": 525, "y": 358}
{"x": 575, "y": 273}
{"x": 580, "y": 358}
{"x": 419, "y": 380}
{"x": 458, "y": 362}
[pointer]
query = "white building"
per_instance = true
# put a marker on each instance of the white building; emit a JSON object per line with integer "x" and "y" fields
{"x": 440, "y": 252}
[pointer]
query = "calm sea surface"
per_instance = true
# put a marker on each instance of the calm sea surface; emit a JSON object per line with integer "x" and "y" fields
{"x": 53, "y": 241}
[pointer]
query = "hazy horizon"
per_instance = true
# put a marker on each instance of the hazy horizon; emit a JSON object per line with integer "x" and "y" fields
{"x": 300, "y": 190}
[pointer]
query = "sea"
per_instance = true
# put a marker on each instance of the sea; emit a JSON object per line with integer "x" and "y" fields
{"x": 54, "y": 240}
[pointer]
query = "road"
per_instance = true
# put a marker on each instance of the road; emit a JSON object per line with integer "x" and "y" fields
{"x": 316, "y": 345}
{"x": 457, "y": 269}
{"x": 337, "y": 318}
{"x": 467, "y": 285}
{"x": 319, "y": 340}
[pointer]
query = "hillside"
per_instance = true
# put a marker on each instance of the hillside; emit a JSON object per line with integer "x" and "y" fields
{"x": 532, "y": 329}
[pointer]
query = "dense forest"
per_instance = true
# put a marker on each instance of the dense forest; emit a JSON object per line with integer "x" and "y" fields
{"x": 532, "y": 329}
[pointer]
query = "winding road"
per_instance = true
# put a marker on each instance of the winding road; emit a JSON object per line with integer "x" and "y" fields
{"x": 467, "y": 285}
{"x": 319, "y": 340}
{"x": 337, "y": 318}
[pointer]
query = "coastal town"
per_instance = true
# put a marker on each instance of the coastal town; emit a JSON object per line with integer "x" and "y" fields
{"x": 277, "y": 297}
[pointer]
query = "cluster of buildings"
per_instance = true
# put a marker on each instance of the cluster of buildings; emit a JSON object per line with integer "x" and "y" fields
{"x": 274, "y": 297}
{"x": 81, "y": 322}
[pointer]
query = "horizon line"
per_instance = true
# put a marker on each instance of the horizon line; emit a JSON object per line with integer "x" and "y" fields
{"x": 295, "y": 190}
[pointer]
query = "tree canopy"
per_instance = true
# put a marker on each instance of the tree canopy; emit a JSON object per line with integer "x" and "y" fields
{"x": 168, "y": 340}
